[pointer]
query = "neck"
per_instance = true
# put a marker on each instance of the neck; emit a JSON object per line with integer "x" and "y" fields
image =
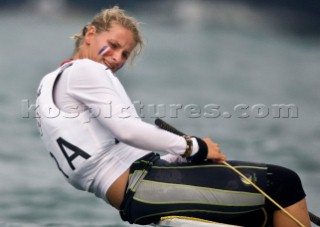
{"x": 81, "y": 53}
{"x": 76, "y": 56}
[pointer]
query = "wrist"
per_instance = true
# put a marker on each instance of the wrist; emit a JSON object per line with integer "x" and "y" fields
{"x": 202, "y": 153}
{"x": 195, "y": 146}
{"x": 189, "y": 147}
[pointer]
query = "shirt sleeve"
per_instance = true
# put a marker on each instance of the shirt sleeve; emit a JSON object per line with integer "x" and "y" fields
{"x": 173, "y": 158}
{"x": 92, "y": 86}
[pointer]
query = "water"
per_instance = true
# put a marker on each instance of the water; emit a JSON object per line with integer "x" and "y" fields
{"x": 183, "y": 64}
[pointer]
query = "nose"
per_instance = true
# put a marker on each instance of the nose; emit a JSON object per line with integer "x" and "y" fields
{"x": 117, "y": 57}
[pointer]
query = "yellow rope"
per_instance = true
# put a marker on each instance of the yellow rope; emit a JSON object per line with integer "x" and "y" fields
{"x": 263, "y": 193}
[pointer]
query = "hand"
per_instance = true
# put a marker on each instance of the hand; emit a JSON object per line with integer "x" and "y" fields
{"x": 214, "y": 152}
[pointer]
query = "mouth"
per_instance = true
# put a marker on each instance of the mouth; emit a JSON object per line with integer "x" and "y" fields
{"x": 106, "y": 63}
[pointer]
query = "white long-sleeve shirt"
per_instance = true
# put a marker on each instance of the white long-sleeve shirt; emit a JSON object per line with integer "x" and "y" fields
{"x": 95, "y": 111}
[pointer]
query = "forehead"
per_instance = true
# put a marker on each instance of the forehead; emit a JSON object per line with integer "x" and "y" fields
{"x": 121, "y": 35}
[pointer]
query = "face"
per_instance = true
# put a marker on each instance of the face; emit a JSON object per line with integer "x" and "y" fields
{"x": 111, "y": 48}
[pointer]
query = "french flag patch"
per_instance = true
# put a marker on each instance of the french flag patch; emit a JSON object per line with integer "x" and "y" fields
{"x": 104, "y": 50}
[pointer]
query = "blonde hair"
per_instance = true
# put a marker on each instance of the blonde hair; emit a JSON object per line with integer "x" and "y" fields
{"x": 103, "y": 21}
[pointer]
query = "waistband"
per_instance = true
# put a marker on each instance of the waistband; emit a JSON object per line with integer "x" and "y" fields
{"x": 138, "y": 170}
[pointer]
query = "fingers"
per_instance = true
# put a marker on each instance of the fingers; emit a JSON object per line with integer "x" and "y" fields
{"x": 214, "y": 151}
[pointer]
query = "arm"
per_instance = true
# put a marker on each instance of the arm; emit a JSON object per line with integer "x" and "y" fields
{"x": 90, "y": 84}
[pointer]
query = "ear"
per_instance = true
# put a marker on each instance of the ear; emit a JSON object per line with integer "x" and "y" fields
{"x": 90, "y": 35}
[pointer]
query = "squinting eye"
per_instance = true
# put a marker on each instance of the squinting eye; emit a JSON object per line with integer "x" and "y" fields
{"x": 112, "y": 45}
{"x": 125, "y": 55}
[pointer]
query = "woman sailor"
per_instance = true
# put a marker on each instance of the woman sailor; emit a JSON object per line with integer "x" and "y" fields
{"x": 101, "y": 146}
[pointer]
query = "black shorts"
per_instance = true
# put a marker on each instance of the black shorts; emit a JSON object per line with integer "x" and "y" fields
{"x": 208, "y": 191}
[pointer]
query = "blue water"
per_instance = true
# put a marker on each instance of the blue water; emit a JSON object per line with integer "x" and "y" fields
{"x": 183, "y": 63}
